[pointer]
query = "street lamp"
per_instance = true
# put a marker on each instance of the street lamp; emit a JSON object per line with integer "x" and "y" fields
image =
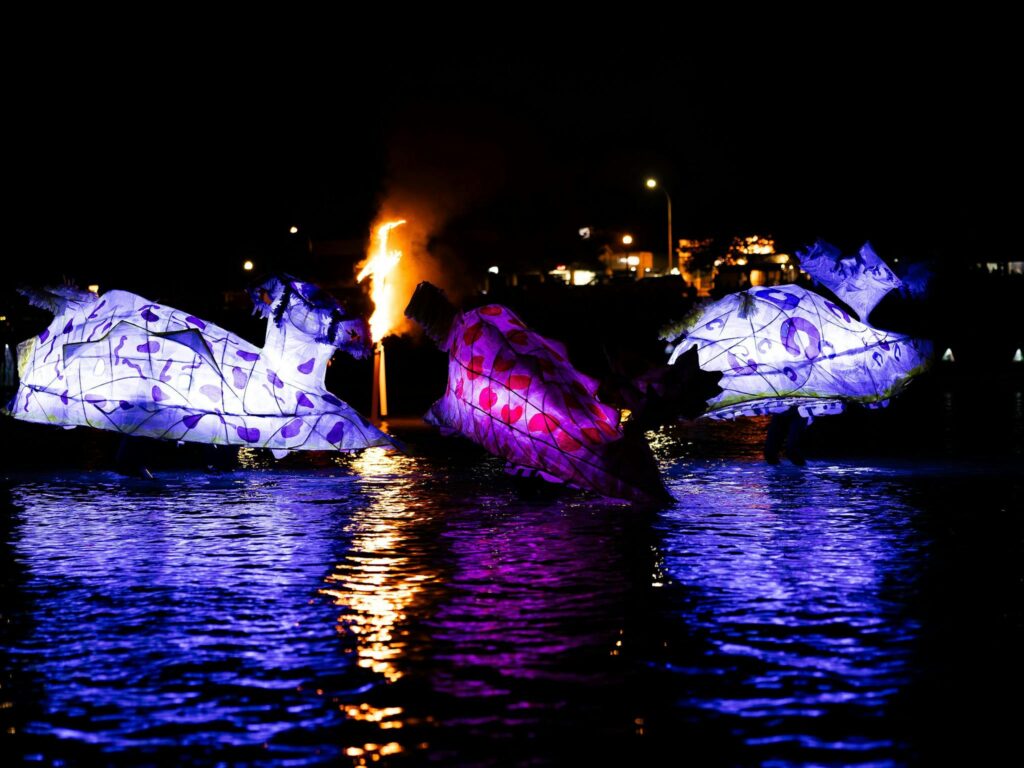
{"x": 652, "y": 184}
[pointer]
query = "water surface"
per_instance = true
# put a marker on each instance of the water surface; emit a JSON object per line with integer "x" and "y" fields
{"x": 423, "y": 609}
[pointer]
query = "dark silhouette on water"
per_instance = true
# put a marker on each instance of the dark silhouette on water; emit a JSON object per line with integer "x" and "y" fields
{"x": 789, "y": 427}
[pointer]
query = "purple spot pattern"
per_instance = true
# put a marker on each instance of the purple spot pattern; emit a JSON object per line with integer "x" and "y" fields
{"x": 249, "y": 434}
{"x": 164, "y": 376}
{"x": 240, "y": 377}
{"x": 329, "y": 398}
{"x": 292, "y": 428}
{"x": 337, "y": 432}
{"x": 149, "y": 347}
{"x": 148, "y": 315}
{"x": 211, "y": 392}
{"x": 196, "y": 322}
{"x": 739, "y": 367}
{"x": 250, "y": 356}
{"x": 788, "y": 335}
{"x": 125, "y": 405}
{"x": 117, "y": 349}
{"x": 303, "y": 400}
{"x": 44, "y": 335}
{"x": 64, "y": 397}
{"x": 191, "y": 420}
{"x": 97, "y": 310}
{"x": 306, "y": 367}
{"x": 158, "y": 394}
{"x": 838, "y": 311}
{"x": 781, "y": 299}
{"x": 69, "y": 327}
{"x": 274, "y": 379}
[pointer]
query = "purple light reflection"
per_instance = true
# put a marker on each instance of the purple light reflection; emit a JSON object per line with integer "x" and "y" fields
{"x": 539, "y": 591}
{"x": 178, "y": 616}
{"x": 799, "y": 583}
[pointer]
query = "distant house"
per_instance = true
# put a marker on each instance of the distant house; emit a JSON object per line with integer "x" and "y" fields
{"x": 626, "y": 263}
{"x": 697, "y": 264}
{"x": 574, "y": 273}
{"x": 747, "y": 262}
{"x": 1001, "y": 267}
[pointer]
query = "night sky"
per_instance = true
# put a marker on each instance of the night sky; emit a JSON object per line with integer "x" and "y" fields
{"x": 140, "y": 161}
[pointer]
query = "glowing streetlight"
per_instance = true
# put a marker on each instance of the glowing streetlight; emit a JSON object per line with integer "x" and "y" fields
{"x": 247, "y": 265}
{"x": 627, "y": 239}
{"x": 653, "y": 184}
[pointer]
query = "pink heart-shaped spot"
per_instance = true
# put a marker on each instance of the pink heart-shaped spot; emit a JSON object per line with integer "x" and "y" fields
{"x": 503, "y": 362}
{"x": 475, "y": 367}
{"x": 511, "y": 415}
{"x": 541, "y": 422}
{"x": 567, "y": 442}
{"x": 487, "y": 398}
{"x": 519, "y": 381}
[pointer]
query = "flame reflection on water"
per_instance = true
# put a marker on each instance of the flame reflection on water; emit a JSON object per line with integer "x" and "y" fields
{"x": 376, "y": 584}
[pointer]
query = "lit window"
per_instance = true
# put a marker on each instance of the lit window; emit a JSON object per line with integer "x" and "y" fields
{"x": 583, "y": 277}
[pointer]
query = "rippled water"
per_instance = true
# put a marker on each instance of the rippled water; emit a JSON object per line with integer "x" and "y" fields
{"x": 420, "y": 608}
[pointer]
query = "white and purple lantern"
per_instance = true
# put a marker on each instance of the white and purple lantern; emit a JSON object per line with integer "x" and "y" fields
{"x": 122, "y": 363}
{"x": 784, "y": 346}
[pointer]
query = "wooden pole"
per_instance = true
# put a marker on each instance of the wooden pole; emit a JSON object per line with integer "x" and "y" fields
{"x": 383, "y": 379}
{"x": 375, "y": 391}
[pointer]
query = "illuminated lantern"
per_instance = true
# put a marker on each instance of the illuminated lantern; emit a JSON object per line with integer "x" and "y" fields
{"x": 784, "y": 346}
{"x": 122, "y": 363}
{"x": 515, "y": 393}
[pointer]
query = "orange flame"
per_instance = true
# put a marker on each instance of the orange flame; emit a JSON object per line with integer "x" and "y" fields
{"x": 379, "y": 265}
